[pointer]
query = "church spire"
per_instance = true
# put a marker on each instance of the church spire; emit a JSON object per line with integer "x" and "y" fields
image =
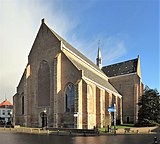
{"x": 99, "y": 58}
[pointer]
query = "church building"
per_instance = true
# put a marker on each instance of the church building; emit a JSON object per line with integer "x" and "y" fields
{"x": 71, "y": 90}
{"x": 126, "y": 78}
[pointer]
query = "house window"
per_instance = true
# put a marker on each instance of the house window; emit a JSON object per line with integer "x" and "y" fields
{"x": 8, "y": 112}
{"x": 69, "y": 98}
{"x": 3, "y": 112}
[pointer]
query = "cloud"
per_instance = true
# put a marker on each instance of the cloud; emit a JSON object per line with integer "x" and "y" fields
{"x": 20, "y": 21}
{"x": 112, "y": 47}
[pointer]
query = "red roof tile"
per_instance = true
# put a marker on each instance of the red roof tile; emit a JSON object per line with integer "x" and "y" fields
{"x": 6, "y": 102}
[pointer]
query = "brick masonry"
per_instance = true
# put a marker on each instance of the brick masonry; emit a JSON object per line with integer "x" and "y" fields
{"x": 43, "y": 86}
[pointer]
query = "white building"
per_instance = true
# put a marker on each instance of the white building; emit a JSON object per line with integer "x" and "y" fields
{"x": 6, "y": 112}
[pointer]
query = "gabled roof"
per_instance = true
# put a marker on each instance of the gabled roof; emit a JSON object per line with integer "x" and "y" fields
{"x": 5, "y": 103}
{"x": 90, "y": 74}
{"x": 90, "y": 70}
{"x": 71, "y": 48}
{"x": 123, "y": 68}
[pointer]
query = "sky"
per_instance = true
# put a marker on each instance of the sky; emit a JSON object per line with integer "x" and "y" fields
{"x": 125, "y": 28}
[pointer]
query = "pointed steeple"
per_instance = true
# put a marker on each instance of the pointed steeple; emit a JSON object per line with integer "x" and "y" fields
{"x": 99, "y": 59}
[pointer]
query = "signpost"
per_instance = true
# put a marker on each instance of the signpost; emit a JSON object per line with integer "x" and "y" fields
{"x": 113, "y": 109}
{"x": 76, "y": 115}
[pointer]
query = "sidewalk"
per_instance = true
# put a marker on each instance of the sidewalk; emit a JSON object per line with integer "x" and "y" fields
{"x": 25, "y": 130}
{"x": 140, "y": 130}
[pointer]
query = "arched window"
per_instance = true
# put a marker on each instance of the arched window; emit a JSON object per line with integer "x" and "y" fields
{"x": 69, "y": 98}
{"x": 22, "y": 104}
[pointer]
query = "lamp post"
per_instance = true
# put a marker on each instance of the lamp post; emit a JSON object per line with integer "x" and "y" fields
{"x": 76, "y": 117}
{"x": 44, "y": 119}
{"x": 113, "y": 109}
{"x": 114, "y": 118}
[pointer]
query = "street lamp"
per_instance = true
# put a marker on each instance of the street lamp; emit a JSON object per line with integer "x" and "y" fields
{"x": 44, "y": 118}
{"x": 115, "y": 118}
{"x": 76, "y": 117}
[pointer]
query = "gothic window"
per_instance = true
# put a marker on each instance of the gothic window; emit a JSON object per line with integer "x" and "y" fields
{"x": 44, "y": 84}
{"x": 22, "y": 105}
{"x": 69, "y": 98}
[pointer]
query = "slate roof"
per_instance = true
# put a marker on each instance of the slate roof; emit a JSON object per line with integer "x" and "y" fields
{"x": 102, "y": 80}
{"x": 122, "y": 68}
{"x": 91, "y": 74}
{"x": 70, "y": 47}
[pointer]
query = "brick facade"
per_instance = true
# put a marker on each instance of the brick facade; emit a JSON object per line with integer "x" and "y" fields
{"x": 51, "y": 67}
{"x": 131, "y": 87}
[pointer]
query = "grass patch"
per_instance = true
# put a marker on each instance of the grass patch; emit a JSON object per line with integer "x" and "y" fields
{"x": 123, "y": 126}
